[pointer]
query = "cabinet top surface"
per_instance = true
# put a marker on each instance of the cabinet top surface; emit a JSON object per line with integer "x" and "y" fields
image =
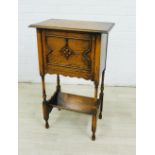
{"x": 75, "y": 25}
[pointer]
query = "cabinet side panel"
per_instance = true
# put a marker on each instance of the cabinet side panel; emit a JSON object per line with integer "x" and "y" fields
{"x": 40, "y": 52}
{"x": 104, "y": 42}
{"x": 44, "y": 50}
{"x": 97, "y": 57}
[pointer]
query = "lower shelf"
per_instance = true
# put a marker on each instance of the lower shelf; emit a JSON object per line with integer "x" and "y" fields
{"x": 74, "y": 103}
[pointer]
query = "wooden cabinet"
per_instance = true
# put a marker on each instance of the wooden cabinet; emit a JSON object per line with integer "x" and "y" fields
{"x": 72, "y": 48}
{"x": 69, "y": 53}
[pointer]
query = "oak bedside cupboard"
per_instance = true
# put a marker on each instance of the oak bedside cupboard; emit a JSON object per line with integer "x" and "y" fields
{"x": 73, "y": 48}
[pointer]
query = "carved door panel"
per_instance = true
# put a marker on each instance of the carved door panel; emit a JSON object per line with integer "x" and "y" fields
{"x": 69, "y": 52}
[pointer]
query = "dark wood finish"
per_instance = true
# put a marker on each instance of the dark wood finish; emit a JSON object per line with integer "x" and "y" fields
{"x": 72, "y": 48}
{"x": 58, "y": 83}
{"x": 101, "y": 95}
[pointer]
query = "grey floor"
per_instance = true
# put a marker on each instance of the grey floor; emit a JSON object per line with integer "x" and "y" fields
{"x": 70, "y": 132}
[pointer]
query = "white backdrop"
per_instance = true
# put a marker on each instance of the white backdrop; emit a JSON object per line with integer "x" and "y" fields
{"x": 121, "y": 50}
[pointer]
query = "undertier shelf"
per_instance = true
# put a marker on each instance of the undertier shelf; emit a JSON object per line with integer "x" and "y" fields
{"x": 73, "y": 102}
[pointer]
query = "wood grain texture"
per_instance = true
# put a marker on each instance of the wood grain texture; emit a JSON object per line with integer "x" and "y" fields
{"x": 69, "y": 71}
{"x": 71, "y": 52}
{"x": 97, "y": 58}
{"x": 73, "y": 102}
{"x": 40, "y": 52}
{"x": 72, "y": 25}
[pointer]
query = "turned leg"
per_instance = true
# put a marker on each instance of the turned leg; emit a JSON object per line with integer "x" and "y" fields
{"x": 58, "y": 83}
{"x": 58, "y": 87}
{"x": 101, "y": 105}
{"x": 45, "y": 106}
{"x": 96, "y": 90}
{"x": 94, "y": 117}
{"x": 94, "y": 122}
{"x": 101, "y": 95}
{"x": 46, "y": 114}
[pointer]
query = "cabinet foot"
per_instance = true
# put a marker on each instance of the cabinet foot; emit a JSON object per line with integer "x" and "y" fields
{"x": 94, "y": 122}
{"x": 46, "y": 125}
{"x": 93, "y": 137}
{"x": 100, "y": 116}
{"x": 46, "y": 114}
